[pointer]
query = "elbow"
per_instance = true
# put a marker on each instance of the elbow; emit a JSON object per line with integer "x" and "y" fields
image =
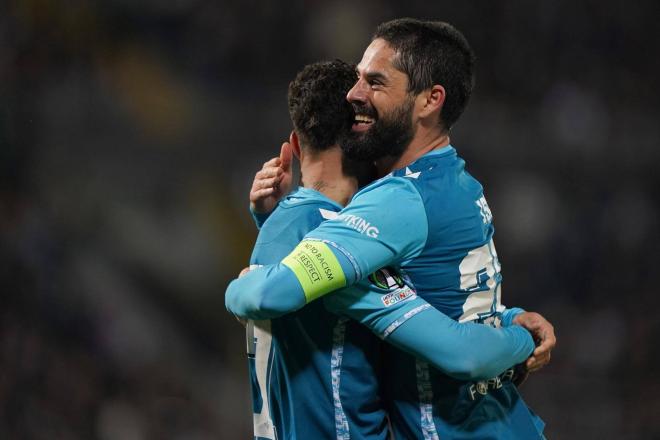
{"x": 263, "y": 294}
{"x": 240, "y": 303}
{"x": 256, "y": 304}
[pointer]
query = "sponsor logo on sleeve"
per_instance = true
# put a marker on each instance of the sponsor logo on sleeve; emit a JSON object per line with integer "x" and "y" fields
{"x": 389, "y": 279}
{"x": 360, "y": 225}
{"x": 396, "y": 297}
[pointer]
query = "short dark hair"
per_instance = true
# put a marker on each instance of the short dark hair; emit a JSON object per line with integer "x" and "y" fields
{"x": 433, "y": 52}
{"x": 317, "y": 103}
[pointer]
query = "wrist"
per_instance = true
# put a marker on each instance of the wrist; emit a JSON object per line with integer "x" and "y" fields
{"x": 512, "y": 316}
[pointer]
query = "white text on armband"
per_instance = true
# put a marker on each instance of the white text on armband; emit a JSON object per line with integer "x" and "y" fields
{"x": 360, "y": 225}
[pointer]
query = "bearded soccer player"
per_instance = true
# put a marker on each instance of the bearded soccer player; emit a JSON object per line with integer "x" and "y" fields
{"x": 314, "y": 373}
{"x": 414, "y": 81}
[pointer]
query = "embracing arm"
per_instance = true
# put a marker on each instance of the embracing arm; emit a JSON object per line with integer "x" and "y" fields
{"x": 249, "y": 297}
{"x": 466, "y": 351}
{"x": 337, "y": 254}
{"x": 313, "y": 269}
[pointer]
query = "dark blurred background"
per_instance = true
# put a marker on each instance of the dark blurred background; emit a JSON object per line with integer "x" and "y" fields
{"x": 129, "y": 135}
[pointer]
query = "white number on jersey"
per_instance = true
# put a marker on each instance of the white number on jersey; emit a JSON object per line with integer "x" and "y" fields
{"x": 480, "y": 277}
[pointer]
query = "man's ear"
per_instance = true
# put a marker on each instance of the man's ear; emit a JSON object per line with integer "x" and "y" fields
{"x": 432, "y": 101}
{"x": 295, "y": 144}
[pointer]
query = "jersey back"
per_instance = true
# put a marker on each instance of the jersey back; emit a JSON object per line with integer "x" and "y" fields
{"x": 313, "y": 373}
{"x": 459, "y": 273}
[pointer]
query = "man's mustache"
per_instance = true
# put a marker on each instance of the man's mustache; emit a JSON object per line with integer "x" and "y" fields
{"x": 366, "y": 110}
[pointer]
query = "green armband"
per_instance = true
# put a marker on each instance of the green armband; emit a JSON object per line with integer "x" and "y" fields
{"x": 317, "y": 269}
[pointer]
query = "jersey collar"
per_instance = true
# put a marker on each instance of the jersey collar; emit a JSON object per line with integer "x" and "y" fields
{"x": 303, "y": 194}
{"x": 444, "y": 151}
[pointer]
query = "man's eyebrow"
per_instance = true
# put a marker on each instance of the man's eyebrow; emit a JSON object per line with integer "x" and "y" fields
{"x": 375, "y": 76}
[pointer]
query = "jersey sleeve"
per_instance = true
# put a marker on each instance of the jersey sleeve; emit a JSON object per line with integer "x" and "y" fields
{"x": 270, "y": 291}
{"x": 380, "y": 309}
{"x": 264, "y": 293}
{"x": 508, "y": 315}
{"x": 394, "y": 312}
{"x": 466, "y": 351}
{"x": 385, "y": 224}
{"x": 367, "y": 235}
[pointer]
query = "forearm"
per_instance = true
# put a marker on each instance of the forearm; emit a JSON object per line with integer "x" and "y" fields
{"x": 265, "y": 293}
{"x": 465, "y": 351}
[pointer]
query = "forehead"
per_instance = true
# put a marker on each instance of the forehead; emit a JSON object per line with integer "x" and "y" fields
{"x": 379, "y": 58}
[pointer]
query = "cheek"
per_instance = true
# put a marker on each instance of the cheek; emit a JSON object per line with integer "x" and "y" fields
{"x": 382, "y": 103}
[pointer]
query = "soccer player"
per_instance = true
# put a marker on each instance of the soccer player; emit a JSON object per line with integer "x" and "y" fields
{"x": 301, "y": 365}
{"x": 314, "y": 373}
{"x": 428, "y": 219}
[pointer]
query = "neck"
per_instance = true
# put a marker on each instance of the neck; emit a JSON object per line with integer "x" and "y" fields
{"x": 323, "y": 172}
{"x": 423, "y": 142}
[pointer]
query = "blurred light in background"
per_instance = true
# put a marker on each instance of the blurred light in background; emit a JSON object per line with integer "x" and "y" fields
{"x": 129, "y": 135}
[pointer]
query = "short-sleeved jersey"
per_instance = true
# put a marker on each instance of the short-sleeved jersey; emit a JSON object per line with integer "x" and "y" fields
{"x": 431, "y": 221}
{"x": 314, "y": 373}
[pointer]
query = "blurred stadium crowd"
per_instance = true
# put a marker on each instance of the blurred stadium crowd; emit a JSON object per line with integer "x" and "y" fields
{"x": 130, "y": 132}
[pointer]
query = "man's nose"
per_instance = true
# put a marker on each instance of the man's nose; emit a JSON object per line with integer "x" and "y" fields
{"x": 358, "y": 93}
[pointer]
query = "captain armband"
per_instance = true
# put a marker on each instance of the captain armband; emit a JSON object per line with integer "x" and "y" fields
{"x": 317, "y": 269}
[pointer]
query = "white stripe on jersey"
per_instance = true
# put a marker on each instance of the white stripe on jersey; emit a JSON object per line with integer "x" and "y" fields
{"x": 338, "y": 335}
{"x": 425, "y": 395}
{"x": 263, "y": 338}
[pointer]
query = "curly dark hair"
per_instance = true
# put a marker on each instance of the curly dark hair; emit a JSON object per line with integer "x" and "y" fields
{"x": 433, "y": 52}
{"x": 320, "y": 113}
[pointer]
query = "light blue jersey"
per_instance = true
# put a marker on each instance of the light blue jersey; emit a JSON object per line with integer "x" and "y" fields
{"x": 314, "y": 373}
{"x": 431, "y": 221}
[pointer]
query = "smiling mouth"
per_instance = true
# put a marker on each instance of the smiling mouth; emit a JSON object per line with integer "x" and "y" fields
{"x": 362, "y": 122}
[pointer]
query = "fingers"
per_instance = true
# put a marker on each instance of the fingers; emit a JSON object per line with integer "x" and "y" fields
{"x": 265, "y": 183}
{"x": 268, "y": 172}
{"x": 536, "y": 362}
{"x": 544, "y": 335}
{"x": 274, "y": 162}
{"x": 543, "y": 352}
{"x": 261, "y": 194}
{"x": 272, "y": 182}
{"x": 547, "y": 343}
{"x": 532, "y": 364}
{"x": 243, "y": 272}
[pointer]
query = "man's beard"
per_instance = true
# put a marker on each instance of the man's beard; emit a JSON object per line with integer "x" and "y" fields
{"x": 389, "y": 137}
